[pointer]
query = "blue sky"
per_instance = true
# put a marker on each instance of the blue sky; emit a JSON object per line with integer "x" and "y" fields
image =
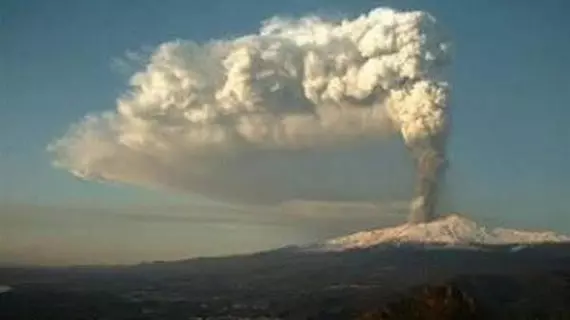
{"x": 509, "y": 150}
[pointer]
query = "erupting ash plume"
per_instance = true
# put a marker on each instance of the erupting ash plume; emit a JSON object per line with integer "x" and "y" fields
{"x": 212, "y": 118}
{"x": 430, "y": 166}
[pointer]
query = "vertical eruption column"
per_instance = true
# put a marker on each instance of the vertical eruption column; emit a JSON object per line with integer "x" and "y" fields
{"x": 425, "y": 125}
{"x": 430, "y": 169}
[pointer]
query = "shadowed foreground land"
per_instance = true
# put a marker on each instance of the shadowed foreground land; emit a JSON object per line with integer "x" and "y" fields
{"x": 386, "y": 282}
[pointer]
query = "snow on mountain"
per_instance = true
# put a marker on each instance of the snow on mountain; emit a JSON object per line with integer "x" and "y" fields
{"x": 452, "y": 230}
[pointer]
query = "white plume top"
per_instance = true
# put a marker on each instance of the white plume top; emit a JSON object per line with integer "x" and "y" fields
{"x": 452, "y": 230}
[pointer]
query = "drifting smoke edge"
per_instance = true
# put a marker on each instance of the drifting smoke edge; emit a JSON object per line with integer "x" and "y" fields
{"x": 197, "y": 112}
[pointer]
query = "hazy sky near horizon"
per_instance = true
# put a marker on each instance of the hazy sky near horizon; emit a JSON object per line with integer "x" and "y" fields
{"x": 60, "y": 60}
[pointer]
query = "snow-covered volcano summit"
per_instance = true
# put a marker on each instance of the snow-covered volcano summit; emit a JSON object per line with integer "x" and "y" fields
{"x": 453, "y": 230}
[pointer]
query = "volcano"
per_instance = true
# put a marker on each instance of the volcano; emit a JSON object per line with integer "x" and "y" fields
{"x": 453, "y": 230}
{"x": 390, "y": 271}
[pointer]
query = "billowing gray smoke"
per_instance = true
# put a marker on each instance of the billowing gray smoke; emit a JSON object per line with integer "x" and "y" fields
{"x": 208, "y": 118}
